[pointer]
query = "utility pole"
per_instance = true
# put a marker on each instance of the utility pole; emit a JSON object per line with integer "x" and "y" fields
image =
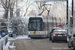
{"x": 72, "y": 19}
{"x": 48, "y": 10}
{"x": 48, "y": 16}
{"x": 67, "y": 17}
{"x": 72, "y": 7}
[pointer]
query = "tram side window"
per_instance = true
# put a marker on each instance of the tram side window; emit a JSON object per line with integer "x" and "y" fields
{"x": 44, "y": 26}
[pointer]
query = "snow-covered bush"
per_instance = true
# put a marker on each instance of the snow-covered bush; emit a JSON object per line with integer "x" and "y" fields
{"x": 19, "y": 25}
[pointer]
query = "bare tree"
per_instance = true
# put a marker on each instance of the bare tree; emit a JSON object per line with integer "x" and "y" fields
{"x": 17, "y": 9}
{"x": 8, "y": 6}
{"x": 27, "y": 6}
{"x": 41, "y": 7}
{"x": 5, "y": 4}
{"x": 18, "y": 12}
{"x": 12, "y": 2}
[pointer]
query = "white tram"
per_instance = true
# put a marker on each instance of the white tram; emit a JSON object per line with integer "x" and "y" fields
{"x": 40, "y": 26}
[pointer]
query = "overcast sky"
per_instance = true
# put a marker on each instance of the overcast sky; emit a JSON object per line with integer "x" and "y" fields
{"x": 33, "y": 6}
{"x": 22, "y": 6}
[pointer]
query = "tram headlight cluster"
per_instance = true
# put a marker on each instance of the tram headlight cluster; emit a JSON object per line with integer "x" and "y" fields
{"x": 40, "y": 32}
{"x": 29, "y": 32}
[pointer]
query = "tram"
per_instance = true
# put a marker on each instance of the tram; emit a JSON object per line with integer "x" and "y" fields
{"x": 40, "y": 26}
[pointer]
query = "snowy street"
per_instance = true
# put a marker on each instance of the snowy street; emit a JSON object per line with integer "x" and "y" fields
{"x": 25, "y": 43}
{"x": 39, "y": 44}
{"x": 37, "y": 24}
{"x": 10, "y": 44}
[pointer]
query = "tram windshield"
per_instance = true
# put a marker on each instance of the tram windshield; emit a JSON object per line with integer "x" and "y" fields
{"x": 35, "y": 24}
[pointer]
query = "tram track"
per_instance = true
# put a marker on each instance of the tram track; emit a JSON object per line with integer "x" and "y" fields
{"x": 37, "y": 48}
{"x": 32, "y": 44}
{"x": 20, "y": 45}
{"x": 23, "y": 45}
{"x": 39, "y": 44}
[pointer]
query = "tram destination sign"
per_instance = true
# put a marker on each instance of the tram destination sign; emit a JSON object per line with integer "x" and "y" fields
{"x": 49, "y": 0}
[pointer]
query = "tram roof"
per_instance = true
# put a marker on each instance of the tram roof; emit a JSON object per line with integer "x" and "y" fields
{"x": 48, "y": 0}
{"x": 33, "y": 16}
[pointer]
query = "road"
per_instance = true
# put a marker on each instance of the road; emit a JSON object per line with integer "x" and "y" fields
{"x": 39, "y": 44}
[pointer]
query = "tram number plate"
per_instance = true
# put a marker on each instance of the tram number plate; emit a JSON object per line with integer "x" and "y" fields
{"x": 34, "y": 33}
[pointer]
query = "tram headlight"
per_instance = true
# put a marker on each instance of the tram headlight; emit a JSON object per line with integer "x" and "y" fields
{"x": 40, "y": 32}
{"x": 29, "y": 32}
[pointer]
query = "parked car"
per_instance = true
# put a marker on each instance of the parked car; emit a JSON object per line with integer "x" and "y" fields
{"x": 59, "y": 35}
{"x": 55, "y": 28}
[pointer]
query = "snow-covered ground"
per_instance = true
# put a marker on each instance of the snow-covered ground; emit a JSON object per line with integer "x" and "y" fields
{"x": 22, "y": 37}
{"x": 19, "y": 37}
{"x": 7, "y": 46}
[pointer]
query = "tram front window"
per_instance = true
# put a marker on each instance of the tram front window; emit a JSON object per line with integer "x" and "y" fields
{"x": 35, "y": 25}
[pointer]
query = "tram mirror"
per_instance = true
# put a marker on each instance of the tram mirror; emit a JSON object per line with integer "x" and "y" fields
{"x": 69, "y": 36}
{"x": 43, "y": 25}
{"x": 28, "y": 25}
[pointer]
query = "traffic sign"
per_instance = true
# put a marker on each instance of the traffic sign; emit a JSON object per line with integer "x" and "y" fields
{"x": 60, "y": 26}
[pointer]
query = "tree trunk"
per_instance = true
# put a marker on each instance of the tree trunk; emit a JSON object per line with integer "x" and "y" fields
{"x": 11, "y": 12}
{"x": 18, "y": 13}
{"x": 6, "y": 14}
